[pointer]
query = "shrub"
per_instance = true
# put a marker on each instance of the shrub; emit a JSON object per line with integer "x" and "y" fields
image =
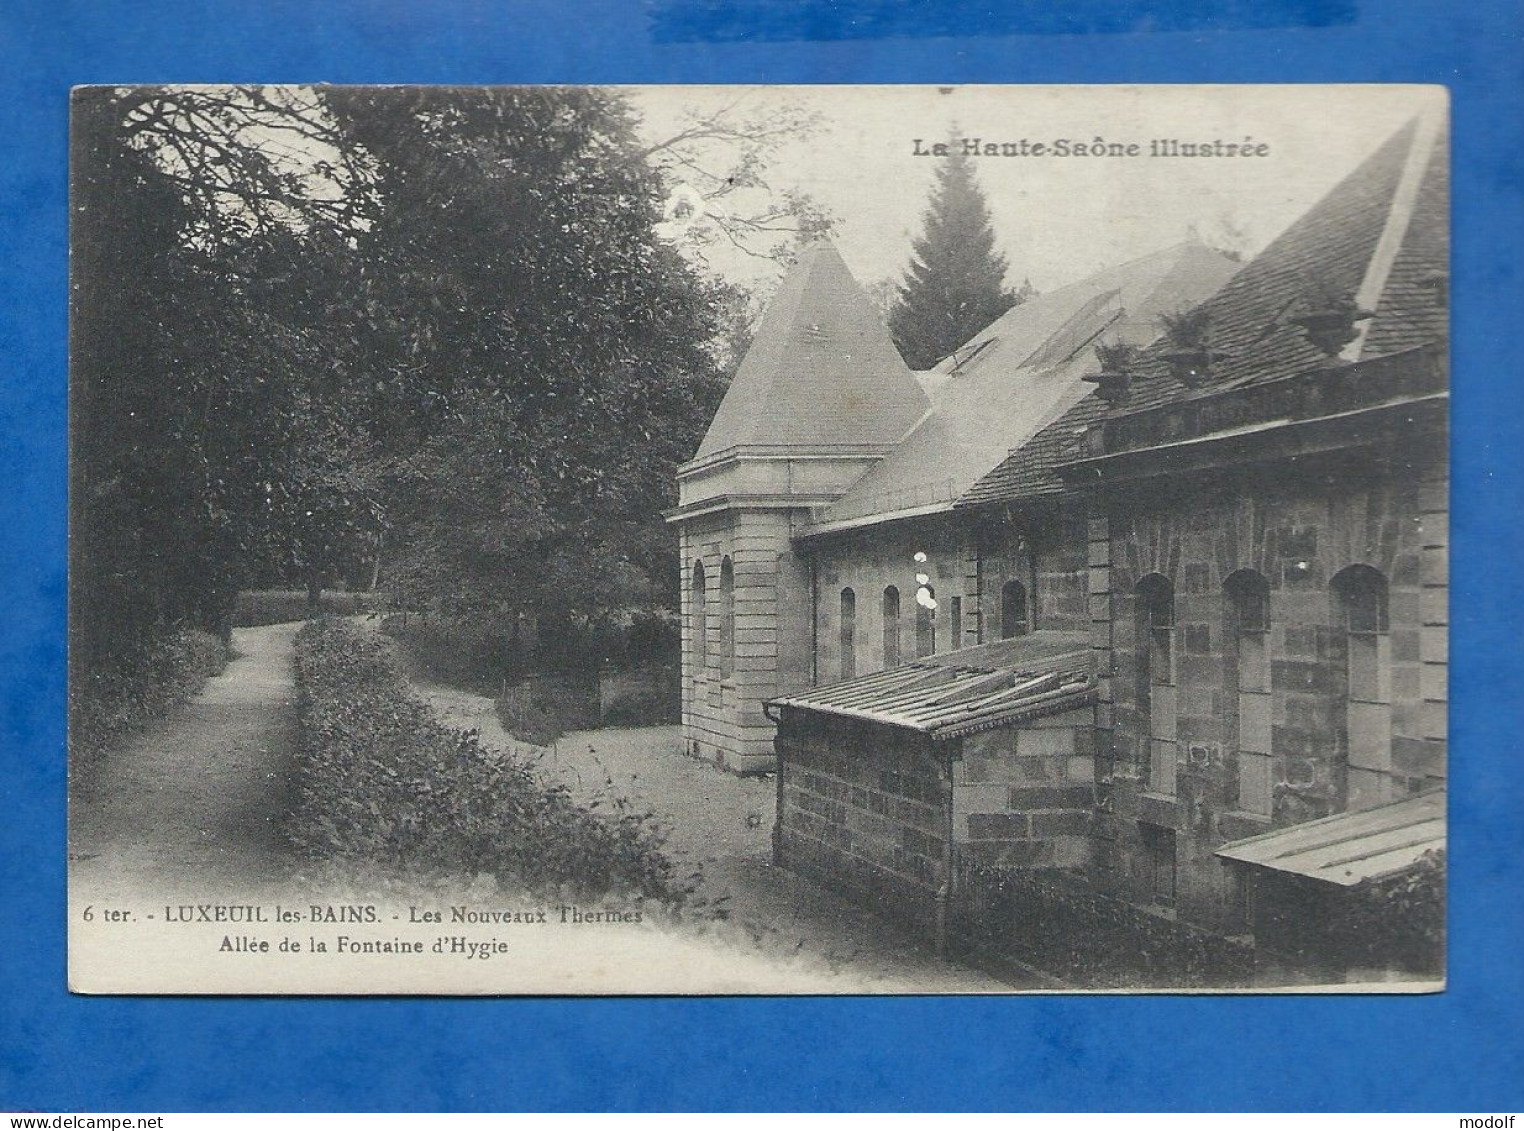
{"x": 285, "y": 606}
{"x": 1187, "y": 329}
{"x": 542, "y": 709}
{"x": 205, "y": 656}
{"x": 1398, "y": 921}
{"x": 380, "y": 779}
{"x": 458, "y": 652}
{"x": 648, "y": 706}
{"x": 108, "y": 700}
{"x": 481, "y": 651}
{"x": 1116, "y": 357}
{"x": 529, "y": 718}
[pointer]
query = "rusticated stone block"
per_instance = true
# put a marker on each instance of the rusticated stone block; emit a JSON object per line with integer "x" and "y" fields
{"x": 1026, "y": 799}
{"x": 997, "y": 826}
{"x": 1162, "y": 811}
{"x": 1417, "y": 757}
{"x": 1072, "y": 823}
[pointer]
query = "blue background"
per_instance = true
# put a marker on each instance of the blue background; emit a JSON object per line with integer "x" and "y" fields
{"x": 1458, "y": 1051}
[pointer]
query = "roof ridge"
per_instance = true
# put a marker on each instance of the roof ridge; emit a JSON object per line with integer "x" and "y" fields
{"x": 1399, "y": 217}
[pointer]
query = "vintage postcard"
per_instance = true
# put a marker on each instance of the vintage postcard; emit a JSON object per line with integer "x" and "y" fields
{"x": 692, "y": 540}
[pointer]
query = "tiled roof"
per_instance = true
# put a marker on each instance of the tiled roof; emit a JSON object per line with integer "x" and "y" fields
{"x": 821, "y": 371}
{"x": 1350, "y": 847}
{"x": 972, "y": 689}
{"x": 1021, "y": 372}
{"x": 1408, "y": 315}
{"x": 1337, "y": 246}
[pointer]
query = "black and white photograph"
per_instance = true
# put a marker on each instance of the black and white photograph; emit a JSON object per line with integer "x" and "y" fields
{"x": 592, "y": 540}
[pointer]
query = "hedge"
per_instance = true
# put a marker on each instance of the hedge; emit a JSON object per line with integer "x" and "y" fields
{"x": 283, "y": 606}
{"x": 381, "y": 780}
{"x": 108, "y": 701}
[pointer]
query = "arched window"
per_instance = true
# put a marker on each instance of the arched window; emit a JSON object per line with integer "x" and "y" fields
{"x": 1247, "y": 672}
{"x": 848, "y": 633}
{"x": 1156, "y": 682}
{"x": 1360, "y": 597}
{"x": 698, "y": 620}
{"x": 1013, "y": 610}
{"x": 727, "y": 618}
{"x": 891, "y": 627}
{"x": 926, "y": 625}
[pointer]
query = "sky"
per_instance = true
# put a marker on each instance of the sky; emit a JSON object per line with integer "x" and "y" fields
{"x": 1056, "y": 218}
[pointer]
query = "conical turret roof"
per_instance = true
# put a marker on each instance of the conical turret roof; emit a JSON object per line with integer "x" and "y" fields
{"x": 821, "y": 372}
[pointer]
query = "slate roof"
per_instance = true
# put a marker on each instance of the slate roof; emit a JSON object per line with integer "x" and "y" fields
{"x": 1407, "y": 315}
{"x": 1380, "y": 234}
{"x": 1348, "y": 848}
{"x": 1020, "y": 372}
{"x": 821, "y": 371}
{"x": 970, "y": 690}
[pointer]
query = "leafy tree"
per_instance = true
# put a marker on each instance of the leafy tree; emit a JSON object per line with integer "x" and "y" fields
{"x": 542, "y": 360}
{"x": 205, "y": 310}
{"x": 955, "y": 285}
{"x": 713, "y": 165}
{"x": 310, "y": 320}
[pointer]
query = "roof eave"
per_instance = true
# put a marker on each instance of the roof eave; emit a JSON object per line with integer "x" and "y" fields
{"x": 840, "y": 526}
{"x": 1338, "y": 431}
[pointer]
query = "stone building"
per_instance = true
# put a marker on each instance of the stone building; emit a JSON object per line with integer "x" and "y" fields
{"x": 1242, "y": 524}
{"x": 758, "y": 476}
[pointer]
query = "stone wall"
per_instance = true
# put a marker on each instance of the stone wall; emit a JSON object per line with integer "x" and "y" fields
{"x": 967, "y": 563}
{"x": 864, "y": 811}
{"x": 1298, "y": 531}
{"x": 1023, "y": 796}
{"x": 1045, "y": 551}
{"x": 867, "y": 561}
{"x": 722, "y": 714}
{"x": 1056, "y": 922}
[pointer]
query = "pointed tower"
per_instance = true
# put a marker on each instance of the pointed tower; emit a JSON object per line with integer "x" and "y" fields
{"x": 820, "y": 397}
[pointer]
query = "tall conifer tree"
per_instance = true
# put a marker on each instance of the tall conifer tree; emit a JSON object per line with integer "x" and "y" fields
{"x": 955, "y": 285}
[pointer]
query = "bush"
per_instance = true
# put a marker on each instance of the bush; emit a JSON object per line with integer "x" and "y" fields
{"x": 144, "y": 682}
{"x": 1398, "y": 921}
{"x": 482, "y": 651}
{"x": 285, "y": 606}
{"x": 205, "y": 656}
{"x": 460, "y": 653}
{"x": 381, "y": 780}
{"x": 648, "y": 706}
{"x": 528, "y": 717}
{"x": 542, "y": 709}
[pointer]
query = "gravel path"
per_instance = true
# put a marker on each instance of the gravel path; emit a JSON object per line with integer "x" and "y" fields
{"x": 722, "y": 824}
{"x": 195, "y": 803}
{"x": 192, "y": 808}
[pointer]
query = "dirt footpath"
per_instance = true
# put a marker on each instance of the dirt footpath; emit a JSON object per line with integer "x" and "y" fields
{"x": 193, "y": 808}
{"x": 195, "y": 803}
{"x": 722, "y": 825}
